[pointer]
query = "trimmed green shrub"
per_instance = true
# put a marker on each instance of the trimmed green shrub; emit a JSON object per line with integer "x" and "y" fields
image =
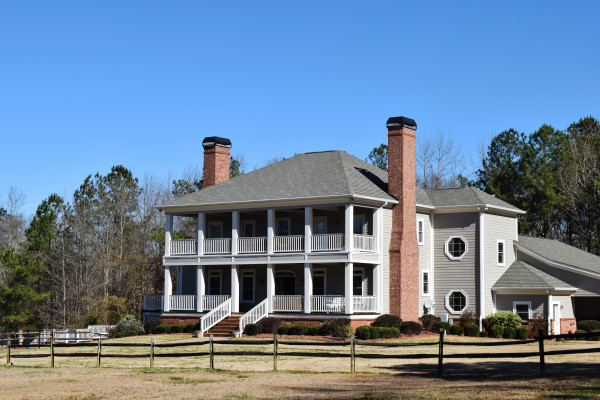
{"x": 454, "y": 330}
{"x": 283, "y": 329}
{"x": 441, "y": 325}
{"x": 347, "y": 331}
{"x": 496, "y": 331}
{"x": 253, "y": 329}
{"x": 596, "y": 337}
{"x": 428, "y": 321}
{"x": 375, "y": 332}
{"x": 119, "y": 335}
{"x": 129, "y": 325}
{"x": 588, "y": 325}
{"x": 483, "y": 334}
{"x": 388, "y": 321}
{"x": 163, "y": 329}
{"x": 580, "y": 331}
{"x": 151, "y": 325}
{"x": 270, "y": 324}
{"x": 177, "y": 328}
{"x": 522, "y": 333}
{"x": 468, "y": 318}
{"x": 471, "y": 330}
{"x": 335, "y": 327}
{"x": 314, "y": 330}
{"x": 188, "y": 328}
{"x": 504, "y": 319}
{"x": 411, "y": 328}
{"x": 389, "y": 333}
{"x": 509, "y": 332}
{"x": 299, "y": 329}
{"x": 363, "y": 333}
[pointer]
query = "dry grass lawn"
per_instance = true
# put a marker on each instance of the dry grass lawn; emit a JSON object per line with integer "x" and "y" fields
{"x": 251, "y": 377}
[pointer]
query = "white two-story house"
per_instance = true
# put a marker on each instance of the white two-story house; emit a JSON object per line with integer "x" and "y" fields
{"x": 325, "y": 234}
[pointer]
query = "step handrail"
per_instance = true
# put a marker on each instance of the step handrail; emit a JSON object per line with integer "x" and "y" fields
{"x": 257, "y": 313}
{"x": 215, "y": 316}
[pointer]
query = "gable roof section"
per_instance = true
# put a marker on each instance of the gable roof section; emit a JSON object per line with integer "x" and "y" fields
{"x": 308, "y": 175}
{"x": 561, "y": 253}
{"x": 468, "y": 196}
{"x": 521, "y": 275}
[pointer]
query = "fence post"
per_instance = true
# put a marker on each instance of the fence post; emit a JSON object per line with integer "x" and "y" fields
{"x": 441, "y": 354}
{"x": 275, "y": 349}
{"x": 542, "y": 361}
{"x": 151, "y": 353}
{"x": 91, "y": 335}
{"x": 39, "y": 338}
{"x": 8, "y": 353}
{"x": 352, "y": 354}
{"x": 99, "y": 358}
{"x": 52, "y": 352}
{"x": 212, "y": 355}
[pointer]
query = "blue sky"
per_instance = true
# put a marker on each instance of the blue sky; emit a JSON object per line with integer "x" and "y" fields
{"x": 88, "y": 85}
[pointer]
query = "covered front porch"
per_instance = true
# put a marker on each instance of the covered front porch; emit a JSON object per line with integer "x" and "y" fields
{"x": 347, "y": 288}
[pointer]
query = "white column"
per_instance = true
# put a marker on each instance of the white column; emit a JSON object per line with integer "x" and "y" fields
{"x": 349, "y": 228}
{"x": 377, "y": 285}
{"x": 235, "y": 289}
{"x": 348, "y": 293}
{"x": 270, "y": 286}
{"x": 270, "y": 231}
{"x": 179, "y": 289}
{"x": 168, "y": 290}
{"x": 168, "y": 233}
{"x": 201, "y": 228}
{"x": 376, "y": 229}
{"x": 308, "y": 221}
{"x": 235, "y": 226}
{"x": 550, "y": 314}
{"x": 200, "y": 287}
{"x": 308, "y": 287}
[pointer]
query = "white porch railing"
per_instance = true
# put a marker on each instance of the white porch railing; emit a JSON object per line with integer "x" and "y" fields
{"x": 365, "y": 304}
{"x": 217, "y": 246}
{"x": 364, "y": 243}
{"x": 327, "y": 242}
{"x": 215, "y": 316}
{"x": 287, "y": 303}
{"x": 183, "y": 302}
{"x": 285, "y": 244}
{"x": 257, "y": 313}
{"x": 211, "y": 301}
{"x": 187, "y": 246}
{"x": 252, "y": 245}
{"x": 153, "y": 302}
{"x": 327, "y": 304}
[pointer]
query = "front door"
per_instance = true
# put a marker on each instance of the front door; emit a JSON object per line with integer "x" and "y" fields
{"x": 556, "y": 314}
{"x": 285, "y": 283}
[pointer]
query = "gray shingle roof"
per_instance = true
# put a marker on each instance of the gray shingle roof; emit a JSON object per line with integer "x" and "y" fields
{"x": 521, "y": 275}
{"x": 323, "y": 174}
{"x": 561, "y": 252}
{"x": 308, "y": 175}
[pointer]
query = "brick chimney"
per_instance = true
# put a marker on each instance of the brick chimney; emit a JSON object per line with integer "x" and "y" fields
{"x": 216, "y": 160}
{"x": 404, "y": 250}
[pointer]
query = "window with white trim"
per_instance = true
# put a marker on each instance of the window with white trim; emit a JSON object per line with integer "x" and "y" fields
{"x": 358, "y": 282}
{"x": 248, "y": 228}
{"x": 425, "y": 282}
{"x": 214, "y": 282}
{"x": 500, "y": 253}
{"x": 319, "y": 225}
{"x": 456, "y": 247}
{"x": 522, "y": 309}
{"x": 319, "y": 282}
{"x": 215, "y": 229}
{"x": 457, "y": 301}
{"x": 284, "y": 226}
{"x": 421, "y": 231}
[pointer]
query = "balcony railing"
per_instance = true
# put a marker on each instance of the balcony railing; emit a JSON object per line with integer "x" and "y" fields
{"x": 153, "y": 302}
{"x": 187, "y": 246}
{"x": 211, "y": 301}
{"x": 288, "y": 244}
{"x": 365, "y": 304}
{"x": 327, "y": 242}
{"x": 252, "y": 245}
{"x": 183, "y": 302}
{"x": 287, "y": 303}
{"x": 365, "y": 243}
{"x": 217, "y": 246}
{"x": 327, "y": 304}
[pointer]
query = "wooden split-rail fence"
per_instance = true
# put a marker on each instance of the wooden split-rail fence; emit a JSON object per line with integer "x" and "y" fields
{"x": 277, "y": 352}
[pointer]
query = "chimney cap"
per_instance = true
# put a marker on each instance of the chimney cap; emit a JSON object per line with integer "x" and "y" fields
{"x": 212, "y": 141}
{"x": 400, "y": 122}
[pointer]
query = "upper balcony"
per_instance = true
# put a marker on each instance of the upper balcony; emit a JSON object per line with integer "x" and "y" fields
{"x": 333, "y": 234}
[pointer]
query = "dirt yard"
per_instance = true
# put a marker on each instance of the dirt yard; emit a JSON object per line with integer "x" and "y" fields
{"x": 250, "y": 377}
